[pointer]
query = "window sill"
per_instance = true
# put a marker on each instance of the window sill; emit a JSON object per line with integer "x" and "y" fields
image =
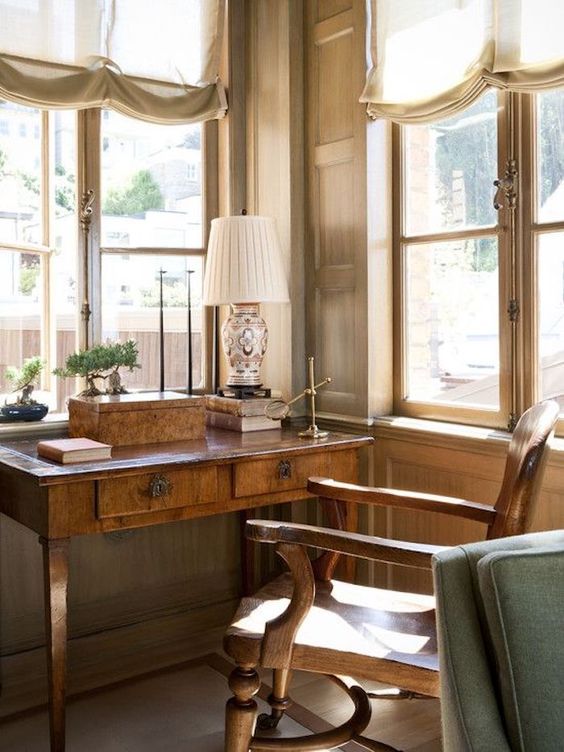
{"x": 390, "y": 426}
{"x": 51, "y": 423}
{"x": 456, "y": 436}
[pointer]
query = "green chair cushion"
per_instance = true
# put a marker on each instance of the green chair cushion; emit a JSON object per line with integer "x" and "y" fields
{"x": 523, "y": 598}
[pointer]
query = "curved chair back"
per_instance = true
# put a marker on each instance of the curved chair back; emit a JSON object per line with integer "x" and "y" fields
{"x": 523, "y": 470}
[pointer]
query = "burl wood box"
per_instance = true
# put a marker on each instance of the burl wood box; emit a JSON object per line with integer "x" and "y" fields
{"x": 144, "y": 418}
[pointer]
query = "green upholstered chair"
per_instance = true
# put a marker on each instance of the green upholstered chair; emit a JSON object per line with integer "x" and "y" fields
{"x": 500, "y": 629}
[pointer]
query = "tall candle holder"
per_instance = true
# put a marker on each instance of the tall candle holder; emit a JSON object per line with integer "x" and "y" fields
{"x": 189, "y": 384}
{"x": 279, "y": 409}
{"x": 162, "y": 272}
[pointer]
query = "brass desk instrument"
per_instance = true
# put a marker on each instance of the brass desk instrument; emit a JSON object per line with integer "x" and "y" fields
{"x": 279, "y": 409}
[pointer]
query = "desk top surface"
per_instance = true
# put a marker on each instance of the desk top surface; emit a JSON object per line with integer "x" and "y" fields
{"x": 218, "y": 446}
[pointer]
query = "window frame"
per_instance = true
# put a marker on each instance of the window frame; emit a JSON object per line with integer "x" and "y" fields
{"x": 518, "y": 232}
{"x": 532, "y": 229}
{"x": 89, "y": 252}
{"x": 89, "y": 178}
{"x": 44, "y": 250}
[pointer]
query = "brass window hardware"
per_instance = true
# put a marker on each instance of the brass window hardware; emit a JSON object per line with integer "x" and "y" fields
{"x": 513, "y": 310}
{"x": 506, "y": 187}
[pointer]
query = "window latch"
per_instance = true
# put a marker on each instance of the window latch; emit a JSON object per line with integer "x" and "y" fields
{"x": 506, "y": 193}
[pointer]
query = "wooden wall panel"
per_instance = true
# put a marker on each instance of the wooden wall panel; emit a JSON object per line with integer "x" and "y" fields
{"x": 466, "y": 469}
{"x": 336, "y": 234}
{"x": 336, "y": 214}
{"x": 328, "y": 8}
{"x": 336, "y": 327}
{"x": 118, "y": 579}
{"x": 336, "y": 91}
{"x": 275, "y": 170}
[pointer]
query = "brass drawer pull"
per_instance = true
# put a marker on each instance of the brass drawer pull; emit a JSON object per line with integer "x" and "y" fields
{"x": 159, "y": 486}
{"x": 284, "y": 470}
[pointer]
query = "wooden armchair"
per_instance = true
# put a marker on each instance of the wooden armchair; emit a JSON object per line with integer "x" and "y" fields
{"x": 305, "y": 620}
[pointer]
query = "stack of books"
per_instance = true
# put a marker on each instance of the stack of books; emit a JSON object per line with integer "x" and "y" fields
{"x": 238, "y": 414}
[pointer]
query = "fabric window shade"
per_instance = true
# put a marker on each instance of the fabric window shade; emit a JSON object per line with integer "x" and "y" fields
{"x": 432, "y": 58}
{"x": 154, "y": 61}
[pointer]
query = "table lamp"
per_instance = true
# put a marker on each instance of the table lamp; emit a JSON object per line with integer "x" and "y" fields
{"x": 244, "y": 268}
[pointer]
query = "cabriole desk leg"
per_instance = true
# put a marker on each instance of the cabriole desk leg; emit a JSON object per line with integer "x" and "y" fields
{"x": 56, "y": 575}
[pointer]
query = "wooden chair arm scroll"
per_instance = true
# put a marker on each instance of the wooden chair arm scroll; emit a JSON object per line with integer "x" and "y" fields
{"x": 280, "y": 633}
{"x": 332, "y": 489}
{"x": 402, "y": 553}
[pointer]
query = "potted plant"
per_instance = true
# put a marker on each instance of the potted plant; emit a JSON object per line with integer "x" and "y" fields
{"x": 101, "y": 362}
{"x": 23, "y": 381}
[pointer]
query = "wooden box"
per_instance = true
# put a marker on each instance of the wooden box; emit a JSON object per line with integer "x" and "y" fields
{"x": 144, "y": 418}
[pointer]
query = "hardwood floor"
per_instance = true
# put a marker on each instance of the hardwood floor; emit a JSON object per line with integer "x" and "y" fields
{"x": 411, "y": 725}
{"x": 182, "y": 709}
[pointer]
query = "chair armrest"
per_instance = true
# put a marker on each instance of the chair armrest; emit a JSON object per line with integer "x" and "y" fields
{"x": 363, "y": 546}
{"x": 332, "y": 489}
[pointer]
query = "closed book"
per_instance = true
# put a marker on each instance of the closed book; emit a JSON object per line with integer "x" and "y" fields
{"x": 240, "y": 423}
{"x": 74, "y": 450}
{"x": 244, "y": 408}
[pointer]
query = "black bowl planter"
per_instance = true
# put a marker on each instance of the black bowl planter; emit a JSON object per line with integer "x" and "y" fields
{"x": 23, "y": 413}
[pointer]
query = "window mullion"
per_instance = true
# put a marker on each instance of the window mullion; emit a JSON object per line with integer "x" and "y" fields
{"x": 89, "y": 227}
{"x": 151, "y": 251}
{"x": 528, "y": 372}
{"x": 47, "y": 328}
{"x": 510, "y": 252}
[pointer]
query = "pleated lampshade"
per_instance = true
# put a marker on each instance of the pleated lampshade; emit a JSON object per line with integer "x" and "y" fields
{"x": 244, "y": 262}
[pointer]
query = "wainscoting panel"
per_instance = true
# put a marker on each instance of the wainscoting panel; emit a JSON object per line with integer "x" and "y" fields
{"x": 468, "y": 469}
{"x": 120, "y": 578}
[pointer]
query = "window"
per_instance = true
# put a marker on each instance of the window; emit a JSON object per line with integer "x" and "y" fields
{"x": 545, "y": 227}
{"x": 147, "y": 215}
{"x": 38, "y": 264}
{"x": 151, "y": 206}
{"x": 479, "y": 307}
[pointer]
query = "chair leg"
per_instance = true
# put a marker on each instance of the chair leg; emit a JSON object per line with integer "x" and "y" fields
{"x": 278, "y": 699}
{"x": 241, "y": 710}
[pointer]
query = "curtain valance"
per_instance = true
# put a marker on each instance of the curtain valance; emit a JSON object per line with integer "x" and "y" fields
{"x": 151, "y": 60}
{"x": 431, "y": 58}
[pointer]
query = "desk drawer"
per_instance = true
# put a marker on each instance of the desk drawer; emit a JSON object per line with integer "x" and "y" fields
{"x": 152, "y": 492}
{"x": 290, "y": 473}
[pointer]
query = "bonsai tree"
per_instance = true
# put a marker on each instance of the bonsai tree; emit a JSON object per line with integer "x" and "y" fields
{"x": 101, "y": 362}
{"x": 124, "y": 356}
{"x": 24, "y": 379}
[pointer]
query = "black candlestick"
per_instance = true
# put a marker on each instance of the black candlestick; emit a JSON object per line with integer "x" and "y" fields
{"x": 162, "y": 272}
{"x": 189, "y": 305}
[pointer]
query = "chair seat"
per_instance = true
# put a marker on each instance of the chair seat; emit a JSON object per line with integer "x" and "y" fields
{"x": 374, "y": 634}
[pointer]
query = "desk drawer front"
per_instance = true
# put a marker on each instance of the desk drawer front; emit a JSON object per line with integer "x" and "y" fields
{"x": 151, "y": 492}
{"x": 290, "y": 472}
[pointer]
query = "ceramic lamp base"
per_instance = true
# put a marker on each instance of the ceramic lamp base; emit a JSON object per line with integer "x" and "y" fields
{"x": 245, "y": 338}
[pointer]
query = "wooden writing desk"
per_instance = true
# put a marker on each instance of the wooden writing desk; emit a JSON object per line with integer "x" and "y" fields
{"x": 149, "y": 485}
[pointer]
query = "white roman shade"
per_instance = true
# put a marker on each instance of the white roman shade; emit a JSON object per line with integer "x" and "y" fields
{"x": 244, "y": 262}
{"x": 431, "y": 58}
{"x": 157, "y": 61}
